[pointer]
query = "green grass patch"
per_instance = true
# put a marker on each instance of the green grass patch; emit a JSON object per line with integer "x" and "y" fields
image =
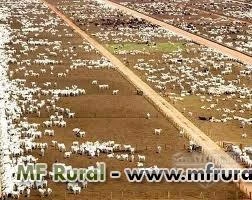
{"x": 162, "y": 47}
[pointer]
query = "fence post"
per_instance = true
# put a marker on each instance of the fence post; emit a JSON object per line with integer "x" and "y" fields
{"x": 201, "y": 195}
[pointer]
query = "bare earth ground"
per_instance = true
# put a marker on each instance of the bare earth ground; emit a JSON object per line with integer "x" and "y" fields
{"x": 229, "y": 131}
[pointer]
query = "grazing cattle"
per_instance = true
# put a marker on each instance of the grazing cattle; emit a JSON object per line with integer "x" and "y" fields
{"x": 125, "y": 156}
{"x": 49, "y": 132}
{"x": 76, "y": 130}
{"x": 81, "y": 134}
{"x": 110, "y": 155}
{"x": 67, "y": 154}
{"x": 61, "y": 147}
{"x": 54, "y": 143}
{"x": 42, "y": 192}
{"x": 84, "y": 184}
{"x": 62, "y": 124}
{"x": 15, "y": 194}
{"x": 103, "y": 87}
{"x": 141, "y": 158}
{"x": 76, "y": 190}
{"x": 71, "y": 115}
{"x": 132, "y": 158}
{"x": 115, "y": 92}
{"x": 190, "y": 77}
{"x": 28, "y": 192}
{"x": 148, "y": 116}
{"x": 49, "y": 191}
{"x": 117, "y": 147}
{"x": 140, "y": 164}
{"x": 94, "y": 82}
{"x": 127, "y": 147}
{"x": 157, "y": 131}
{"x": 132, "y": 150}
{"x": 42, "y": 151}
{"x": 159, "y": 148}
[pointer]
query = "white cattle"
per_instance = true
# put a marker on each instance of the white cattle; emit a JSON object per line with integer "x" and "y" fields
{"x": 71, "y": 115}
{"x": 49, "y": 132}
{"x": 76, "y": 190}
{"x": 61, "y": 147}
{"x": 148, "y": 116}
{"x": 67, "y": 154}
{"x": 110, "y": 155}
{"x": 125, "y": 156}
{"x": 127, "y": 147}
{"x": 140, "y": 164}
{"x": 94, "y": 82}
{"x": 157, "y": 131}
{"x": 42, "y": 151}
{"x": 132, "y": 158}
{"x": 115, "y": 92}
{"x": 42, "y": 192}
{"x": 103, "y": 87}
{"x": 141, "y": 158}
{"x": 49, "y": 191}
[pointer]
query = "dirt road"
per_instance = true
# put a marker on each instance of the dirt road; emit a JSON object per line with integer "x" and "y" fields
{"x": 209, "y": 147}
{"x": 221, "y": 15}
{"x": 227, "y": 51}
{"x": 241, "y": 2}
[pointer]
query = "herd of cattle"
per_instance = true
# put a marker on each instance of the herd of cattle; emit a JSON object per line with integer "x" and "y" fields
{"x": 222, "y": 84}
{"x": 225, "y": 22}
{"x": 190, "y": 71}
{"x": 22, "y": 98}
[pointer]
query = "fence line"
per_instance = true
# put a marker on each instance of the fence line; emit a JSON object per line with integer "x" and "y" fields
{"x": 169, "y": 194}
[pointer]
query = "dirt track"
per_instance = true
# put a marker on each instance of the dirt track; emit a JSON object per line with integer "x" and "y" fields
{"x": 210, "y": 148}
{"x": 243, "y": 3}
{"x": 221, "y": 15}
{"x": 229, "y": 52}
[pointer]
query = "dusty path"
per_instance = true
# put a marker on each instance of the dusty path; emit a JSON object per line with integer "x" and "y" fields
{"x": 221, "y": 15}
{"x": 241, "y": 2}
{"x": 225, "y": 50}
{"x": 209, "y": 147}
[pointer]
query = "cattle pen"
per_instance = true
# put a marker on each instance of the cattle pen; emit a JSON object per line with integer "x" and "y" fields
{"x": 125, "y": 99}
{"x": 210, "y": 148}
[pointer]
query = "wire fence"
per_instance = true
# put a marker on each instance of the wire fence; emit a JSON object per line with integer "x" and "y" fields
{"x": 169, "y": 195}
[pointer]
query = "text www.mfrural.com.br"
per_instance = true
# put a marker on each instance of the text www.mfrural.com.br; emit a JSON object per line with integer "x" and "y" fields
{"x": 207, "y": 174}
